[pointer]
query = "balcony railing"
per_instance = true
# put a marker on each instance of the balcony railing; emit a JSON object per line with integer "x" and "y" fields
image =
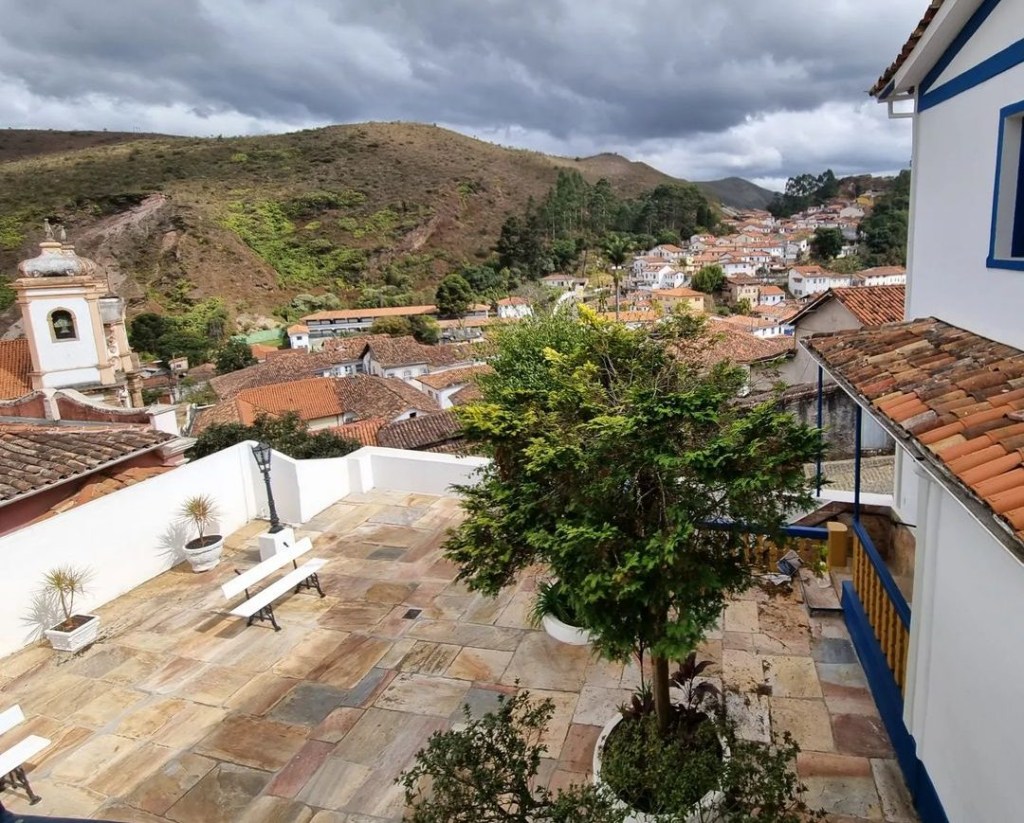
{"x": 887, "y": 610}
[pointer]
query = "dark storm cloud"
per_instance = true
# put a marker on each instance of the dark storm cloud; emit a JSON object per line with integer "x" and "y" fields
{"x": 562, "y": 73}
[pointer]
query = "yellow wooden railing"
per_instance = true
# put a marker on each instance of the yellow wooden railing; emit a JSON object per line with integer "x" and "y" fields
{"x": 887, "y": 610}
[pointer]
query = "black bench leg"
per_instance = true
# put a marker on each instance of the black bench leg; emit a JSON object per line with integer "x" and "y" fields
{"x": 266, "y": 613}
{"x": 17, "y": 778}
{"x": 311, "y": 582}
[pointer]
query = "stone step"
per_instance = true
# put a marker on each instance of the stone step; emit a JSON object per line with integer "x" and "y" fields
{"x": 818, "y": 597}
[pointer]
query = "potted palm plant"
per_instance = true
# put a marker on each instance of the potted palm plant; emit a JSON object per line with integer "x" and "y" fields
{"x": 75, "y": 631}
{"x": 204, "y": 550}
{"x": 555, "y": 611}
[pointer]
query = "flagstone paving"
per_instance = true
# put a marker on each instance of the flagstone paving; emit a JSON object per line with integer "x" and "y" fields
{"x": 181, "y": 713}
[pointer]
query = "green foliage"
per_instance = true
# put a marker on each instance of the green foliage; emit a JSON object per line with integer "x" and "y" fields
{"x": 487, "y": 771}
{"x": 803, "y": 191}
{"x": 555, "y": 599}
{"x": 66, "y": 583}
{"x": 200, "y": 511}
{"x": 11, "y": 236}
{"x": 826, "y": 244}
{"x": 709, "y": 279}
{"x": 847, "y": 265}
{"x": 425, "y": 329}
{"x": 264, "y": 227}
{"x": 884, "y": 231}
{"x": 393, "y": 326}
{"x": 7, "y": 295}
{"x": 744, "y": 306}
{"x": 145, "y": 331}
{"x": 612, "y": 448}
{"x": 617, "y": 249}
{"x": 286, "y": 433}
{"x": 668, "y": 775}
{"x": 453, "y": 296}
{"x": 234, "y": 355}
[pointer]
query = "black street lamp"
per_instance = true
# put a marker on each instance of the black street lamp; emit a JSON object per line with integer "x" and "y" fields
{"x": 261, "y": 451}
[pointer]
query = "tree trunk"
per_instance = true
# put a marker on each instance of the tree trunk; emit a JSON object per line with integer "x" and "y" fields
{"x": 616, "y": 281}
{"x": 662, "y": 701}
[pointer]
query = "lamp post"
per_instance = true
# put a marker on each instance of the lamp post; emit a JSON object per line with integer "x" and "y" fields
{"x": 261, "y": 451}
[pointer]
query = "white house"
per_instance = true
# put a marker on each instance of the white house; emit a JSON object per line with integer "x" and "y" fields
{"x": 514, "y": 308}
{"x": 298, "y": 336}
{"x": 805, "y": 281}
{"x": 667, "y": 251}
{"x": 882, "y": 276}
{"x": 771, "y": 296}
{"x": 946, "y": 666}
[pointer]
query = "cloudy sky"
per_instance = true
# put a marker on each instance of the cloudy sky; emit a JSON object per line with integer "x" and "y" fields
{"x": 758, "y": 88}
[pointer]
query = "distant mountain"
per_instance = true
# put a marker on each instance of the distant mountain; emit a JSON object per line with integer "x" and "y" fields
{"x": 737, "y": 193}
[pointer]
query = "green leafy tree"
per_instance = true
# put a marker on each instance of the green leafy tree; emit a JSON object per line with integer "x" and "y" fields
{"x": 617, "y": 249}
{"x": 744, "y": 306}
{"x": 233, "y": 356}
{"x": 425, "y": 329}
{"x": 453, "y": 296}
{"x": 826, "y": 244}
{"x": 393, "y": 326}
{"x": 884, "y": 231}
{"x": 709, "y": 279}
{"x": 286, "y": 433}
{"x": 613, "y": 449}
{"x": 180, "y": 342}
{"x": 847, "y": 265}
{"x": 487, "y": 771}
{"x": 7, "y": 295}
{"x": 145, "y": 330}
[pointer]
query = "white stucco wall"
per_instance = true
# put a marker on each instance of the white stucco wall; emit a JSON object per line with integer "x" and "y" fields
{"x": 123, "y": 538}
{"x": 1001, "y": 28}
{"x": 66, "y": 362}
{"x": 963, "y": 702}
{"x": 132, "y": 535}
{"x": 954, "y": 177}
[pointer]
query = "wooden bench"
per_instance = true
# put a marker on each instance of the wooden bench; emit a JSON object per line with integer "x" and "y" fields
{"x": 12, "y": 761}
{"x": 260, "y": 606}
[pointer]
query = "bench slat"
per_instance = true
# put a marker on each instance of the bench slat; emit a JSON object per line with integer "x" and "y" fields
{"x": 19, "y": 753}
{"x": 275, "y": 590}
{"x": 262, "y": 570}
{"x": 9, "y": 718}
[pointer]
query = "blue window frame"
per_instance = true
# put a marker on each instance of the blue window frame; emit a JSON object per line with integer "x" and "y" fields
{"x": 1006, "y": 245}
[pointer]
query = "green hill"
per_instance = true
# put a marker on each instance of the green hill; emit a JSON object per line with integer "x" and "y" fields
{"x": 256, "y": 220}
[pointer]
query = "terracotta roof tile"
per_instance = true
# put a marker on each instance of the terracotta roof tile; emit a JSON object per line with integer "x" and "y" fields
{"x": 35, "y": 457}
{"x": 362, "y": 431}
{"x": 959, "y": 397}
{"x": 451, "y": 377}
{"x": 908, "y": 48}
{"x": 873, "y": 305}
{"x": 15, "y": 365}
{"x": 421, "y": 432}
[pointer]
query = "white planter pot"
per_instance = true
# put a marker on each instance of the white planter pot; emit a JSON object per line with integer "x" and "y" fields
{"x": 75, "y": 639}
{"x": 704, "y": 811}
{"x": 564, "y": 633}
{"x": 206, "y": 557}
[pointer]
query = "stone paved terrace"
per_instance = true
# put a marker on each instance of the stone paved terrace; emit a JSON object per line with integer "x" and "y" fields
{"x": 180, "y": 713}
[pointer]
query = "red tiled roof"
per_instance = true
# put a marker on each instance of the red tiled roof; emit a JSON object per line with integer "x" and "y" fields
{"x": 356, "y": 314}
{"x": 726, "y": 342}
{"x": 421, "y": 432}
{"x": 35, "y": 457}
{"x": 873, "y": 305}
{"x": 310, "y": 399}
{"x": 957, "y": 395}
{"x": 362, "y": 431}
{"x": 907, "y": 49}
{"x": 15, "y": 365}
{"x": 451, "y": 377}
{"x": 282, "y": 368}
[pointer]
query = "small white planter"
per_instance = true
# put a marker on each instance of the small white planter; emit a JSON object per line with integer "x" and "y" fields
{"x": 564, "y": 633}
{"x": 75, "y": 639}
{"x": 204, "y": 558}
{"x": 704, "y": 811}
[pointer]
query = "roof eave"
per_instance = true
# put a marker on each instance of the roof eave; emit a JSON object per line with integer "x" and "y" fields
{"x": 928, "y": 461}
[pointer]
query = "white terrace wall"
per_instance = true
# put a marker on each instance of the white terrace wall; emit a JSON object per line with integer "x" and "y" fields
{"x": 132, "y": 535}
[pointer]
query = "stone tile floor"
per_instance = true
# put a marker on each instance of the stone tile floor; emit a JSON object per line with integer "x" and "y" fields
{"x": 181, "y": 713}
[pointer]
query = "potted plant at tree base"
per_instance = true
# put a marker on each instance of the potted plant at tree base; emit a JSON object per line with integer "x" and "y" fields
{"x": 203, "y": 551}
{"x": 555, "y": 610}
{"x": 678, "y": 774}
{"x": 75, "y": 631}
